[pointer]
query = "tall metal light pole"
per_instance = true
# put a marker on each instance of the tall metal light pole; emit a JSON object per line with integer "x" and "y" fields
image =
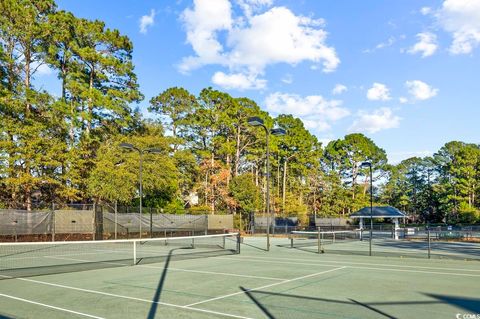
{"x": 365, "y": 164}
{"x": 256, "y": 121}
{"x": 131, "y": 147}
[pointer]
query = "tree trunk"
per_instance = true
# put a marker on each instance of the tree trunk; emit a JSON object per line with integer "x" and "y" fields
{"x": 27, "y": 81}
{"x": 229, "y": 167}
{"x": 90, "y": 101}
{"x": 237, "y": 152}
{"x": 212, "y": 162}
{"x": 284, "y": 184}
{"x": 354, "y": 182}
{"x": 278, "y": 178}
{"x": 28, "y": 189}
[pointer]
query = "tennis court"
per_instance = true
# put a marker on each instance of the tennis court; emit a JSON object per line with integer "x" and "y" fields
{"x": 207, "y": 283}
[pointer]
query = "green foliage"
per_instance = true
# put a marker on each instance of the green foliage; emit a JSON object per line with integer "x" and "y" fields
{"x": 116, "y": 171}
{"x": 468, "y": 214}
{"x": 344, "y": 157}
{"x": 245, "y": 193}
{"x": 296, "y": 208}
{"x": 66, "y": 148}
{"x": 175, "y": 105}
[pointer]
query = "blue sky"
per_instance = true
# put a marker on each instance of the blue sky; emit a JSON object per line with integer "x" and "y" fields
{"x": 405, "y": 72}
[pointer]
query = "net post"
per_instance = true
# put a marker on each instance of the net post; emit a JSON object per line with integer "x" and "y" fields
{"x": 134, "y": 252}
{"x": 193, "y": 242}
{"x": 291, "y": 241}
{"x": 239, "y": 239}
{"x": 318, "y": 240}
{"x": 223, "y": 242}
{"x": 428, "y": 239}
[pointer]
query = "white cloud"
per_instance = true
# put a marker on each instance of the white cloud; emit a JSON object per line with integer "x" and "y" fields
{"x": 288, "y": 79}
{"x": 339, "y": 89}
{"x": 425, "y": 10}
{"x": 316, "y": 112}
{"x": 378, "y": 120}
{"x": 420, "y": 90}
{"x": 238, "y": 81}
{"x": 390, "y": 41}
{"x": 41, "y": 69}
{"x": 426, "y": 45}
{"x": 462, "y": 19}
{"x": 325, "y": 140}
{"x": 397, "y": 157}
{"x": 403, "y": 100}
{"x": 255, "y": 40}
{"x": 378, "y": 92}
{"x": 251, "y": 6}
{"x": 147, "y": 21}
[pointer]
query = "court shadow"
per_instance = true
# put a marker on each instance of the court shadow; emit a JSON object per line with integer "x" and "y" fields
{"x": 369, "y": 305}
{"x": 468, "y": 304}
{"x": 386, "y": 315}
{"x": 156, "y": 297}
{"x": 171, "y": 256}
{"x": 256, "y": 247}
{"x": 5, "y": 317}
{"x": 267, "y": 313}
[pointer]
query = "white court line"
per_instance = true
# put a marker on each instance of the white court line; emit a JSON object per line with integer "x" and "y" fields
{"x": 214, "y": 273}
{"x": 128, "y": 297}
{"x": 360, "y": 263}
{"x": 172, "y": 268}
{"x": 49, "y": 306}
{"x": 326, "y": 263}
{"x": 417, "y": 271}
{"x": 266, "y": 286}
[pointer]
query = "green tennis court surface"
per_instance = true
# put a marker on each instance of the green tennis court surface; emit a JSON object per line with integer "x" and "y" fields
{"x": 283, "y": 283}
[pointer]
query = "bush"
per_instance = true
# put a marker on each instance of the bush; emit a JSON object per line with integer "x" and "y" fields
{"x": 468, "y": 214}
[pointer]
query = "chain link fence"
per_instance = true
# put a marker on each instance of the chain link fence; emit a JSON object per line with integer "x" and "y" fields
{"x": 98, "y": 222}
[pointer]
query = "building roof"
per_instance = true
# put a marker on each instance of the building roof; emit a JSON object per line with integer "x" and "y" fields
{"x": 379, "y": 212}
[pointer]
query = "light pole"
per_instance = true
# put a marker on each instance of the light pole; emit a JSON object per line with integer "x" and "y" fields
{"x": 369, "y": 164}
{"x": 256, "y": 121}
{"x": 131, "y": 147}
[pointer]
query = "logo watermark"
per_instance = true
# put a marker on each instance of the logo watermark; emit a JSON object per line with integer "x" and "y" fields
{"x": 467, "y": 316}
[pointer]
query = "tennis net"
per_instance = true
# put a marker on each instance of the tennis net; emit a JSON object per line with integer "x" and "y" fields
{"x": 40, "y": 258}
{"x": 320, "y": 238}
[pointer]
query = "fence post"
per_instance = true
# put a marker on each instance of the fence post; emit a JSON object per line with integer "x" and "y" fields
{"x": 428, "y": 239}
{"x": 94, "y": 222}
{"x": 240, "y": 221}
{"x": 194, "y": 227}
{"x": 53, "y": 222}
{"x": 116, "y": 208}
{"x": 206, "y": 224}
{"x": 15, "y": 230}
{"x": 151, "y": 223}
